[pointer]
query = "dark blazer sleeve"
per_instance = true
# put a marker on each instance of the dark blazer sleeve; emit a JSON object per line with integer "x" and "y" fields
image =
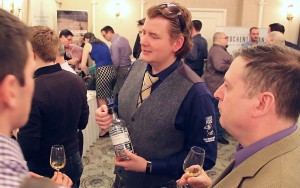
{"x": 29, "y": 136}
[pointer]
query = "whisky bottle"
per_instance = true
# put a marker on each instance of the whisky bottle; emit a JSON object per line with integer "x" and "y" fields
{"x": 119, "y": 135}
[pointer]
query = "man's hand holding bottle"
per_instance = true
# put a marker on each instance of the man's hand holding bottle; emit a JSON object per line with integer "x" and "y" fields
{"x": 103, "y": 119}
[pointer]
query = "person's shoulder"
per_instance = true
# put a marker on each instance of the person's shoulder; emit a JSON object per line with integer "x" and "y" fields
{"x": 245, "y": 44}
{"x": 216, "y": 47}
{"x": 292, "y": 45}
{"x": 201, "y": 89}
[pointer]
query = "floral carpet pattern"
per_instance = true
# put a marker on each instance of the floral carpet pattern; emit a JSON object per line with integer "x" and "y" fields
{"x": 98, "y": 163}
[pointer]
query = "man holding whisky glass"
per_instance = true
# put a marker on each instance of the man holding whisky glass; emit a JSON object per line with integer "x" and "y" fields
{"x": 178, "y": 113}
{"x": 260, "y": 109}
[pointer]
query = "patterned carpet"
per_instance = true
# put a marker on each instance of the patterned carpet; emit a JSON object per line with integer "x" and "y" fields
{"x": 98, "y": 164}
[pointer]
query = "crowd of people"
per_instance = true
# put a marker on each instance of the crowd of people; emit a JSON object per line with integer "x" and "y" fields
{"x": 195, "y": 95}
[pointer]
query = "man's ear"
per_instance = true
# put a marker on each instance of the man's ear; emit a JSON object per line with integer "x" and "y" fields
{"x": 178, "y": 43}
{"x": 266, "y": 101}
{"x": 8, "y": 91}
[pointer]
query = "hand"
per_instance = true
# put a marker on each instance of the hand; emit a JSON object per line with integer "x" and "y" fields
{"x": 58, "y": 178}
{"x": 134, "y": 163}
{"x": 73, "y": 61}
{"x": 61, "y": 179}
{"x": 34, "y": 175}
{"x": 201, "y": 181}
{"x": 103, "y": 119}
{"x": 87, "y": 76}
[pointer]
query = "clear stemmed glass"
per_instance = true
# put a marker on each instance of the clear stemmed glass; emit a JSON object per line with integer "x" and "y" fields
{"x": 57, "y": 157}
{"x": 193, "y": 162}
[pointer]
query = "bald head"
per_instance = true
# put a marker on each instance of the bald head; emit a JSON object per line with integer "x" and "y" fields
{"x": 220, "y": 38}
{"x": 275, "y": 38}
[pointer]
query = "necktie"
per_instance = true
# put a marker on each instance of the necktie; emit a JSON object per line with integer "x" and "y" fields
{"x": 146, "y": 87}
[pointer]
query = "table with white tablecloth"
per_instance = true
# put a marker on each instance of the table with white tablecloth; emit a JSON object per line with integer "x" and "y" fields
{"x": 91, "y": 132}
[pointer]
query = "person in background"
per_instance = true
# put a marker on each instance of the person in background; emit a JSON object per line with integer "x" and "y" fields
{"x": 61, "y": 60}
{"x": 279, "y": 27}
{"x": 218, "y": 62}
{"x": 58, "y": 110}
{"x": 137, "y": 46}
{"x": 16, "y": 91}
{"x": 254, "y": 37}
{"x": 65, "y": 66}
{"x": 178, "y": 113}
{"x": 73, "y": 52}
{"x": 275, "y": 38}
{"x": 120, "y": 51}
{"x": 105, "y": 72}
{"x": 260, "y": 105}
{"x": 195, "y": 58}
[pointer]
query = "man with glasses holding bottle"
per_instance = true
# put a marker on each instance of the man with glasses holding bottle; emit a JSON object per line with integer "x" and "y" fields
{"x": 177, "y": 115}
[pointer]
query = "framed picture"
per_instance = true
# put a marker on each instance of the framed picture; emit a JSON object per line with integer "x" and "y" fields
{"x": 75, "y": 21}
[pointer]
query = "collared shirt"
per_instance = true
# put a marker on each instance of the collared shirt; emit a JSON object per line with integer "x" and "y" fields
{"x": 67, "y": 67}
{"x": 47, "y": 70}
{"x": 120, "y": 51}
{"x": 200, "y": 129}
{"x": 13, "y": 167}
{"x": 249, "y": 43}
{"x": 244, "y": 153}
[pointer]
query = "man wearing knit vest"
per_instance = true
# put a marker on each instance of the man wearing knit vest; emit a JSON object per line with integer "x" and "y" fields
{"x": 177, "y": 115}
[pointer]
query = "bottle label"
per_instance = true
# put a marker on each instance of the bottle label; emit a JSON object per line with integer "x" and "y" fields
{"x": 121, "y": 141}
{"x": 120, "y": 138}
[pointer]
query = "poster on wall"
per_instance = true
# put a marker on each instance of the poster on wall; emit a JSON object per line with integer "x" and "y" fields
{"x": 75, "y": 21}
{"x": 238, "y": 35}
{"x": 42, "y": 13}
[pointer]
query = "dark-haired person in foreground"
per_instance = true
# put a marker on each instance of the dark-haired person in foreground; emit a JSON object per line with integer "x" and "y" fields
{"x": 259, "y": 106}
{"x": 16, "y": 90}
{"x": 178, "y": 113}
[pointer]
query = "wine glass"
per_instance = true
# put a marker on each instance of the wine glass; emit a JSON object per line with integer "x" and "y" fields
{"x": 193, "y": 162}
{"x": 57, "y": 157}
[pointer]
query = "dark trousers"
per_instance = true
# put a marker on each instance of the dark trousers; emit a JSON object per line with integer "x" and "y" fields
{"x": 119, "y": 183}
{"x": 122, "y": 73}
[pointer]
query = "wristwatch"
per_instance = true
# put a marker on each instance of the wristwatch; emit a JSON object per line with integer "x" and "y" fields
{"x": 148, "y": 167}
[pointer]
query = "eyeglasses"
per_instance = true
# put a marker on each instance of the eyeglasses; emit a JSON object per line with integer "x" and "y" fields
{"x": 225, "y": 37}
{"x": 174, "y": 10}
